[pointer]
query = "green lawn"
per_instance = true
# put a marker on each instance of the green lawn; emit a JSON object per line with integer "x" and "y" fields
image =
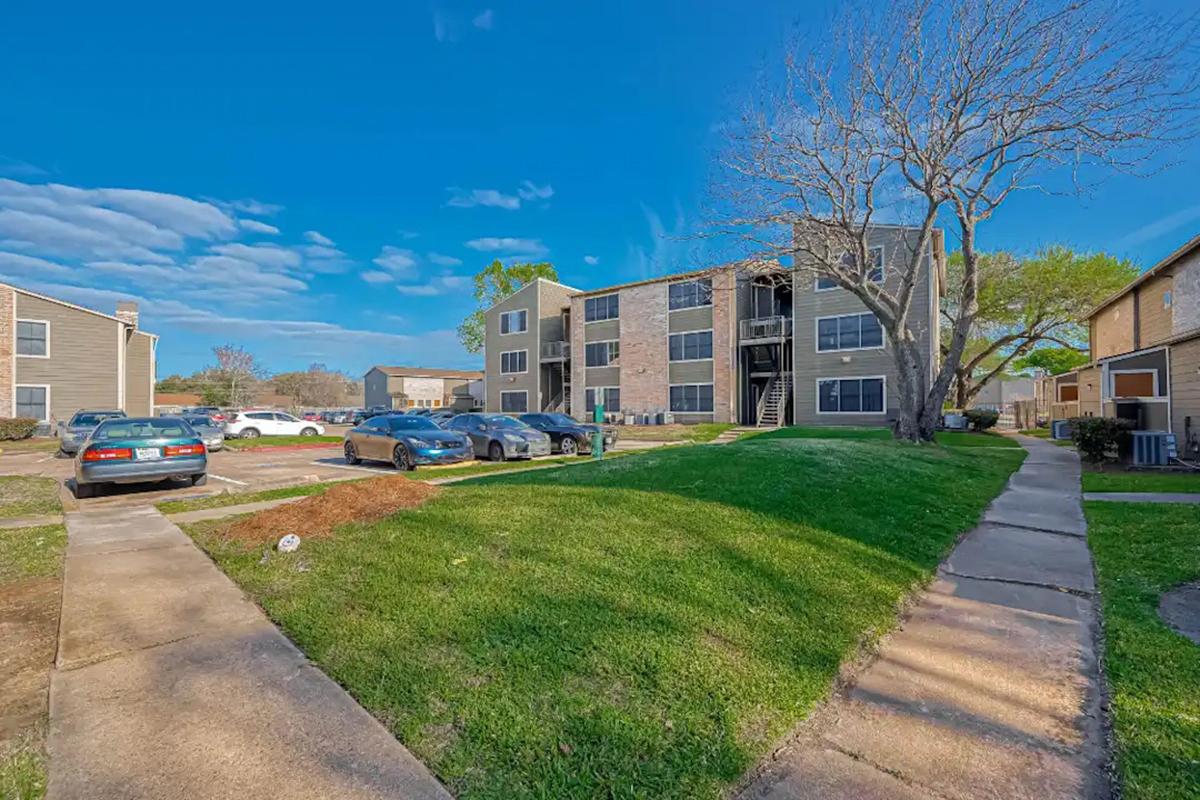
{"x": 1142, "y": 551}
{"x": 31, "y": 552}
{"x": 1038, "y": 433}
{"x": 640, "y": 627}
{"x": 39, "y": 444}
{"x": 1141, "y": 482}
{"x": 699, "y": 433}
{"x": 238, "y": 498}
{"x": 24, "y": 496}
{"x": 948, "y": 438}
{"x": 969, "y": 439}
{"x": 276, "y": 441}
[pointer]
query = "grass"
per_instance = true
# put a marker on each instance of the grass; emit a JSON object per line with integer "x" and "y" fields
{"x": 699, "y": 433}
{"x": 23, "y": 766}
{"x": 31, "y": 552}
{"x": 968, "y": 439}
{"x": 276, "y": 441}
{"x": 1141, "y": 482}
{"x": 945, "y": 438}
{"x": 1142, "y": 551}
{"x": 38, "y": 444}
{"x": 640, "y": 627}
{"x": 1037, "y": 433}
{"x": 238, "y": 498}
{"x": 26, "y": 496}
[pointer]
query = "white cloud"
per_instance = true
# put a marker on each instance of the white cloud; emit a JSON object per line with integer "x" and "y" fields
{"x": 1160, "y": 227}
{"x": 20, "y": 266}
{"x": 377, "y": 276}
{"x": 258, "y": 227}
{"x": 265, "y": 255}
{"x": 318, "y": 238}
{"x": 443, "y": 261}
{"x": 508, "y": 244}
{"x": 21, "y": 230}
{"x": 395, "y": 259}
{"x": 531, "y": 191}
{"x": 443, "y": 284}
{"x": 485, "y": 20}
{"x": 469, "y": 198}
{"x": 591, "y": 261}
{"x": 405, "y": 234}
{"x": 445, "y": 27}
{"x": 255, "y": 207}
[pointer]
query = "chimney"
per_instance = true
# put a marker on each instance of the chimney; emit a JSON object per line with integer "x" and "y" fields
{"x": 127, "y": 312}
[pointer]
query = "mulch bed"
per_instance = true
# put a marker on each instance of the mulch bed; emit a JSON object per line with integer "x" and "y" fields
{"x": 317, "y": 516}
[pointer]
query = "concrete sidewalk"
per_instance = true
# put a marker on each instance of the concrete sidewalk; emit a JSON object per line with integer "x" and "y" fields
{"x": 170, "y": 683}
{"x": 991, "y": 688}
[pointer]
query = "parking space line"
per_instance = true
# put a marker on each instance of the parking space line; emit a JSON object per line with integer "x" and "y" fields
{"x": 227, "y": 480}
{"x": 372, "y": 470}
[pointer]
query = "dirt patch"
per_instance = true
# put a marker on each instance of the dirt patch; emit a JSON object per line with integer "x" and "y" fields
{"x": 317, "y": 516}
{"x": 1180, "y": 609}
{"x": 28, "y": 638}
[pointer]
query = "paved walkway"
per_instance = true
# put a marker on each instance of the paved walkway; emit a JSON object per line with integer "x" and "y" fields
{"x": 1143, "y": 497}
{"x": 170, "y": 683}
{"x": 990, "y": 689}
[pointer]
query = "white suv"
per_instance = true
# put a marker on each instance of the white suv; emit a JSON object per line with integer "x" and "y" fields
{"x": 252, "y": 424}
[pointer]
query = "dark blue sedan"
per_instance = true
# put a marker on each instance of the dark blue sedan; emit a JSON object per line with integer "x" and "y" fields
{"x": 405, "y": 440}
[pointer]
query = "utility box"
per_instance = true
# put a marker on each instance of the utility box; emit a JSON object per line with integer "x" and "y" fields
{"x": 1061, "y": 429}
{"x": 1153, "y": 448}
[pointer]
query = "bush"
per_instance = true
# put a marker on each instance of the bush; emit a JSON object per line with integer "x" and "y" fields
{"x": 981, "y": 419}
{"x": 1099, "y": 438}
{"x": 15, "y": 428}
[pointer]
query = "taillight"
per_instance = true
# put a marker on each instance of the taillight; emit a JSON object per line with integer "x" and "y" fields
{"x": 183, "y": 450}
{"x": 107, "y": 453}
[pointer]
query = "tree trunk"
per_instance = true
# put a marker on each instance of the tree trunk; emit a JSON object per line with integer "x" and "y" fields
{"x": 915, "y": 421}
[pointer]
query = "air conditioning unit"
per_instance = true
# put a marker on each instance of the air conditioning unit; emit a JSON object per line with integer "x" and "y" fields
{"x": 1153, "y": 448}
{"x": 954, "y": 422}
{"x": 1061, "y": 429}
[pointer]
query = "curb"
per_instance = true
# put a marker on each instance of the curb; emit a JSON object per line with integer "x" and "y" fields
{"x": 269, "y": 447}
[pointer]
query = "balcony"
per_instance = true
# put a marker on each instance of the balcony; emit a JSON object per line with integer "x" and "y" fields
{"x": 764, "y": 329}
{"x": 555, "y": 351}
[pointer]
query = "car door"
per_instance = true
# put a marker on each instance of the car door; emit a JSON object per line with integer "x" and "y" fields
{"x": 287, "y": 425}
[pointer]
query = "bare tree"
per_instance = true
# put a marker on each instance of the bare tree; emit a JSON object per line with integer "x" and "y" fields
{"x": 235, "y": 377}
{"x": 939, "y": 110}
{"x": 317, "y": 386}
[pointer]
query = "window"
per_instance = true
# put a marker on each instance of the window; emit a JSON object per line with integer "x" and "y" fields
{"x": 875, "y": 275}
{"x": 610, "y": 398}
{"x": 692, "y": 397}
{"x": 261, "y": 415}
{"x": 850, "y": 396}
{"x": 693, "y": 346}
{"x": 690, "y": 294}
{"x": 33, "y": 338}
{"x": 514, "y": 322}
{"x": 1135, "y": 383}
{"x": 33, "y": 402}
{"x": 1068, "y": 393}
{"x": 601, "y": 354}
{"x": 514, "y": 402}
{"x": 598, "y": 308}
{"x": 514, "y": 361}
{"x": 1166, "y": 299}
{"x": 849, "y": 332}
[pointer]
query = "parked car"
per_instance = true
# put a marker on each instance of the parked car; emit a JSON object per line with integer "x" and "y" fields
{"x": 568, "y": 435}
{"x": 336, "y": 417}
{"x": 215, "y": 412}
{"x": 419, "y": 412}
{"x": 252, "y": 424}
{"x": 312, "y": 416}
{"x": 406, "y": 441}
{"x": 75, "y": 432}
{"x": 356, "y": 415}
{"x": 140, "y": 450}
{"x": 499, "y": 437}
{"x": 208, "y": 429}
{"x": 442, "y": 415}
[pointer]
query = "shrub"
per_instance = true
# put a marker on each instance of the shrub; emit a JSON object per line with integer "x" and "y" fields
{"x": 17, "y": 428}
{"x": 1099, "y": 438}
{"x": 981, "y": 419}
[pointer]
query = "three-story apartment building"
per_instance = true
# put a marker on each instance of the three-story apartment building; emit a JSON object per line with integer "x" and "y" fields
{"x": 750, "y": 344}
{"x": 1145, "y": 354}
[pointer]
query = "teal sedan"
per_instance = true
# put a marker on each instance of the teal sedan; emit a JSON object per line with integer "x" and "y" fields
{"x": 140, "y": 450}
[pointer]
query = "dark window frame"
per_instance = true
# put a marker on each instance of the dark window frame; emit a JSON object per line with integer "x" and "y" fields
{"x": 691, "y": 398}
{"x": 505, "y": 317}
{"x": 604, "y": 307}
{"x": 857, "y": 395}
{"x": 30, "y": 345}
{"x": 687, "y": 346}
{"x": 695, "y": 293}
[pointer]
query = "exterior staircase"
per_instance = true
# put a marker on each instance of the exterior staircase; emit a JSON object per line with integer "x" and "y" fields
{"x": 773, "y": 403}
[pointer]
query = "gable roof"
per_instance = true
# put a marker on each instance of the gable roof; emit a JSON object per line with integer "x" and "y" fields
{"x": 427, "y": 372}
{"x": 1185, "y": 250}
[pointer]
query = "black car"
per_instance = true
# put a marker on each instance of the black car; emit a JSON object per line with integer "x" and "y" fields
{"x": 567, "y": 435}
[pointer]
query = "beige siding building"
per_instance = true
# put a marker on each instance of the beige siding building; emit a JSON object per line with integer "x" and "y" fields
{"x": 61, "y": 358}
{"x": 418, "y": 387}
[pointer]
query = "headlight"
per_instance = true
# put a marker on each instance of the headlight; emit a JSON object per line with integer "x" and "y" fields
{"x": 513, "y": 438}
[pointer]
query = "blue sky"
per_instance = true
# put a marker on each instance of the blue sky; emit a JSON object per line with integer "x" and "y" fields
{"x": 318, "y": 182}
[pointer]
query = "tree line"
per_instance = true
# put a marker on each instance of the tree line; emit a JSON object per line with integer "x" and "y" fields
{"x": 236, "y": 378}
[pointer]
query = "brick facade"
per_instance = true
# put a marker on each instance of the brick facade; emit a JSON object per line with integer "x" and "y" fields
{"x": 578, "y": 373}
{"x": 724, "y": 322}
{"x": 644, "y": 348}
{"x": 8, "y": 343}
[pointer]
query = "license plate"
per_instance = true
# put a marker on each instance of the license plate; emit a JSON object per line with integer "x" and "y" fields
{"x": 148, "y": 453}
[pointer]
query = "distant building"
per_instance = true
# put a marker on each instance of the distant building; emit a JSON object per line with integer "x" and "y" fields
{"x": 420, "y": 387}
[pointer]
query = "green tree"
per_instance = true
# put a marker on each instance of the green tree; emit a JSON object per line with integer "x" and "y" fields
{"x": 1027, "y": 303}
{"x": 1054, "y": 360}
{"x": 492, "y": 284}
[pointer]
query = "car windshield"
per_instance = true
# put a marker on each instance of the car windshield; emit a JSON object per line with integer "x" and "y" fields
{"x": 88, "y": 420}
{"x": 163, "y": 428}
{"x": 201, "y": 421}
{"x": 560, "y": 419}
{"x": 500, "y": 421}
{"x": 407, "y": 423}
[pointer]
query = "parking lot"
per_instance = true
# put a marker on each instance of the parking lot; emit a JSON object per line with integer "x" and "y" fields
{"x": 228, "y": 471}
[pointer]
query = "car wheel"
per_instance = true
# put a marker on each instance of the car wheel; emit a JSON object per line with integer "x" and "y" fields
{"x": 84, "y": 490}
{"x": 567, "y": 446}
{"x": 496, "y": 451}
{"x": 200, "y": 480}
{"x": 309, "y": 432}
{"x": 249, "y": 433}
{"x": 402, "y": 459}
{"x": 351, "y": 454}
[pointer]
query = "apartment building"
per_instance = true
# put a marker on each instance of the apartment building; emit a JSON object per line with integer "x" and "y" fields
{"x": 61, "y": 357}
{"x": 750, "y": 344}
{"x": 421, "y": 387}
{"x": 1145, "y": 354}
